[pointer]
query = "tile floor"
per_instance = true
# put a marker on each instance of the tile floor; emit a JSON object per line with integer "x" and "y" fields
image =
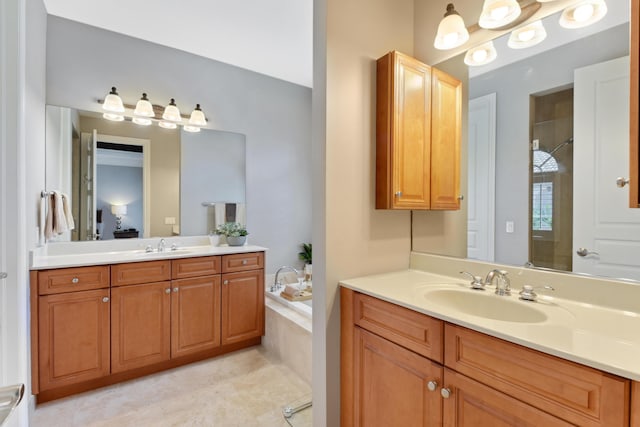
{"x": 245, "y": 388}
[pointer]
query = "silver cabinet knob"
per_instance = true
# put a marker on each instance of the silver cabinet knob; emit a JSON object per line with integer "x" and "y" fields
{"x": 445, "y": 392}
{"x": 175, "y": 289}
{"x": 226, "y": 282}
{"x": 583, "y": 252}
{"x": 105, "y": 299}
{"x": 398, "y": 193}
{"x": 621, "y": 182}
{"x": 75, "y": 280}
{"x": 432, "y": 385}
{"x": 245, "y": 262}
{"x": 167, "y": 291}
{"x": 461, "y": 197}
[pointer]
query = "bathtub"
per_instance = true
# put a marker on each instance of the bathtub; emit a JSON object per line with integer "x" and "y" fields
{"x": 288, "y": 332}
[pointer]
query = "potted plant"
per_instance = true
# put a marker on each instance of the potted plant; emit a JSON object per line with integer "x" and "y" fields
{"x": 306, "y": 256}
{"x": 234, "y": 232}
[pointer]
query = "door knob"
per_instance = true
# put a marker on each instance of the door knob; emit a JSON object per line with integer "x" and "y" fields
{"x": 432, "y": 385}
{"x": 583, "y": 252}
{"x": 445, "y": 392}
{"x": 621, "y": 182}
{"x": 175, "y": 289}
{"x": 167, "y": 291}
{"x": 105, "y": 299}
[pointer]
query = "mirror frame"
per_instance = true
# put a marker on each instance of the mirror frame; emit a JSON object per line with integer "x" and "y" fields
{"x": 634, "y": 107}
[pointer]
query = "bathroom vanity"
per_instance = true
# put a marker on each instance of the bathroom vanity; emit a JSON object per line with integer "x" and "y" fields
{"x": 132, "y": 313}
{"x": 410, "y": 357}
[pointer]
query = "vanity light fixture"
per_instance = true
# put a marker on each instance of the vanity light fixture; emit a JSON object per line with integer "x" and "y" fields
{"x": 527, "y": 35}
{"x": 498, "y": 13}
{"x": 583, "y": 14}
{"x": 196, "y": 120}
{"x": 113, "y": 102}
{"x": 144, "y": 107}
{"x": 480, "y": 55}
{"x": 451, "y": 31}
{"x": 172, "y": 113}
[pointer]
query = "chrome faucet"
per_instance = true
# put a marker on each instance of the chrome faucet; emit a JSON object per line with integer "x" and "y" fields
{"x": 276, "y": 283}
{"x": 161, "y": 245}
{"x": 503, "y": 285}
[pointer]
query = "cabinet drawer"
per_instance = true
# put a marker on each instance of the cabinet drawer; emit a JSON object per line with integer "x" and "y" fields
{"x": 242, "y": 262}
{"x": 72, "y": 279}
{"x": 573, "y": 392}
{"x": 194, "y": 267}
{"x": 140, "y": 272}
{"x": 412, "y": 330}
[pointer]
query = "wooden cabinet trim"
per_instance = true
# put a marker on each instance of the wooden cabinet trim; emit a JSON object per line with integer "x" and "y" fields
{"x": 194, "y": 267}
{"x": 73, "y": 279}
{"x": 570, "y": 391}
{"x": 635, "y": 404}
{"x": 347, "y": 356}
{"x": 242, "y": 262}
{"x": 415, "y": 331}
{"x": 134, "y": 273}
{"x": 634, "y": 110}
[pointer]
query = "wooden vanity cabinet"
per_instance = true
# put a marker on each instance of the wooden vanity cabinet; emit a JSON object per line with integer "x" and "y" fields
{"x": 101, "y": 325}
{"x": 418, "y": 126}
{"x": 389, "y": 379}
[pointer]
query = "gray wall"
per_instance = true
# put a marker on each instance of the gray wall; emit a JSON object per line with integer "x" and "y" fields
{"x": 83, "y": 62}
{"x": 513, "y": 85}
{"x": 212, "y": 169}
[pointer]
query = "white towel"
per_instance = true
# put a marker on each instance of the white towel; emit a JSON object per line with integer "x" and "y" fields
{"x": 68, "y": 216}
{"x": 48, "y": 208}
{"x": 59, "y": 220}
{"x": 220, "y": 214}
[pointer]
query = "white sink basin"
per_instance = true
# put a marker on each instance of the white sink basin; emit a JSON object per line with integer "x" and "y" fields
{"x": 486, "y": 304}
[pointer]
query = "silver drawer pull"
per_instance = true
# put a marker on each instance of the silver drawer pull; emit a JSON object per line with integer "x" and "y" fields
{"x": 75, "y": 280}
{"x": 432, "y": 385}
{"x": 105, "y": 299}
{"x": 226, "y": 282}
{"x": 167, "y": 291}
{"x": 245, "y": 262}
{"x": 175, "y": 289}
{"x": 398, "y": 193}
{"x": 445, "y": 392}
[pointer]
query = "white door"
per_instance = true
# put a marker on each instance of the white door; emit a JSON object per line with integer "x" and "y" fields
{"x": 606, "y": 232}
{"x": 481, "y": 190}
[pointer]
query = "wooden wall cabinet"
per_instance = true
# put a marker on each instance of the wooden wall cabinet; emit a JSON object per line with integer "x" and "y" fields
{"x": 386, "y": 380}
{"x": 418, "y": 126}
{"x": 103, "y": 324}
{"x": 634, "y": 118}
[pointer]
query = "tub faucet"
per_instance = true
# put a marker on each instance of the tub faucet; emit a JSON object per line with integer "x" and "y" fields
{"x": 161, "y": 245}
{"x": 503, "y": 285}
{"x": 276, "y": 283}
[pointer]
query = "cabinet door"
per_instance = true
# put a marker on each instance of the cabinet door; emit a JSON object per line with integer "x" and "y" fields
{"x": 140, "y": 321}
{"x": 403, "y": 133}
{"x": 446, "y": 114}
{"x": 73, "y": 337}
{"x": 242, "y": 306}
{"x": 472, "y": 404}
{"x": 391, "y": 385}
{"x": 195, "y": 315}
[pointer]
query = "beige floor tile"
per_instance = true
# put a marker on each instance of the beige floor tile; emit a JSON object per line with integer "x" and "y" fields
{"x": 246, "y": 388}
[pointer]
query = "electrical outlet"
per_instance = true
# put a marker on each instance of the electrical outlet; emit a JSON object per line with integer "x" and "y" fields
{"x": 509, "y": 227}
{"x": 535, "y": 145}
{"x": 169, "y": 220}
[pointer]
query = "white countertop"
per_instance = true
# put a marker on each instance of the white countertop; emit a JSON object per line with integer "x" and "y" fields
{"x": 78, "y": 254}
{"x": 601, "y": 337}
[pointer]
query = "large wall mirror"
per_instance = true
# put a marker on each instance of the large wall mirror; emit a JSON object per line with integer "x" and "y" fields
{"x": 548, "y": 138}
{"x": 127, "y": 181}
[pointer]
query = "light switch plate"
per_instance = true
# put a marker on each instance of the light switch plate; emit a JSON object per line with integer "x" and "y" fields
{"x": 509, "y": 227}
{"x": 169, "y": 220}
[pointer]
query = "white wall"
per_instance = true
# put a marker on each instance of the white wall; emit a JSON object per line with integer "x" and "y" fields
{"x": 513, "y": 85}
{"x": 83, "y": 62}
{"x": 351, "y": 237}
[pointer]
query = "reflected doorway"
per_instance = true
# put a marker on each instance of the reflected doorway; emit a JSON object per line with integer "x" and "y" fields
{"x": 551, "y": 178}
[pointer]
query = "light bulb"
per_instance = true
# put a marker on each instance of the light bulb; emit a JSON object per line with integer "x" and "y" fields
{"x": 525, "y": 36}
{"x": 583, "y": 12}
{"x": 144, "y": 107}
{"x": 499, "y": 13}
{"x": 479, "y": 55}
{"x": 113, "y": 102}
{"x": 171, "y": 112}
